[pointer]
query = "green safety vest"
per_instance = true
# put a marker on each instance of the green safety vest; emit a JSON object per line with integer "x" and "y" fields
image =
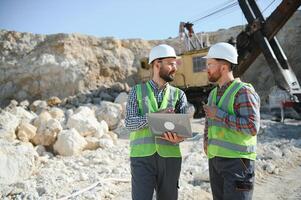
{"x": 143, "y": 142}
{"x": 225, "y": 142}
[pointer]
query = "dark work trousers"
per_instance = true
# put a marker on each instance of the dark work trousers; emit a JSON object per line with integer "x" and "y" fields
{"x": 155, "y": 172}
{"x": 231, "y": 178}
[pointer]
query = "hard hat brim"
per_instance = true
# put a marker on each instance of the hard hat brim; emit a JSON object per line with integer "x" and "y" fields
{"x": 220, "y": 58}
{"x": 176, "y": 57}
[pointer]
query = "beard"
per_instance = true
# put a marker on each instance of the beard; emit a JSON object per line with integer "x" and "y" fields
{"x": 214, "y": 77}
{"x": 166, "y": 76}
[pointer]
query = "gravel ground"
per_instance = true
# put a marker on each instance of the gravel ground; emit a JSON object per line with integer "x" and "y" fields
{"x": 105, "y": 173}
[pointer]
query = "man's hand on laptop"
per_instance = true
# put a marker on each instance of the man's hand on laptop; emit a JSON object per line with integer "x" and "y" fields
{"x": 166, "y": 110}
{"x": 172, "y": 137}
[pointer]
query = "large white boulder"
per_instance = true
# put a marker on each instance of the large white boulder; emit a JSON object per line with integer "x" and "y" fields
{"x": 85, "y": 122}
{"x": 22, "y": 114}
{"x": 17, "y": 161}
{"x": 8, "y": 125}
{"x": 110, "y": 112}
{"x": 69, "y": 142}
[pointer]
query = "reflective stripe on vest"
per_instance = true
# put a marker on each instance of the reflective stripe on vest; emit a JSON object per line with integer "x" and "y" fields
{"x": 151, "y": 140}
{"x": 225, "y": 142}
{"x": 234, "y": 147}
{"x": 143, "y": 142}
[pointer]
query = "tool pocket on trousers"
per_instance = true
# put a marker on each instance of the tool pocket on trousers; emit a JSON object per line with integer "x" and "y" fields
{"x": 244, "y": 185}
{"x": 247, "y": 181}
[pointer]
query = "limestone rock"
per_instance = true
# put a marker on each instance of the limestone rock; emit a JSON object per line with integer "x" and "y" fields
{"x": 63, "y": 64}
{"x": 57, "y": 113}
{"x": 38, "y": 106}
{"x": 92, "y": 143}
{"x": 69, "y": 142}
{"x": 17, "y": 162}
{"x": 53, "y": 101}
{"x": 84, "y": 121}
{"x": 26, "y": 131}
{"x": 110, "y": 112}
{"x": 47, "y": 129}
{"x": 8, "y": 125}
{"x": 22, "y": 114}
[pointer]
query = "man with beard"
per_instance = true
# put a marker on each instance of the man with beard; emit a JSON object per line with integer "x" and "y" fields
{"x": 155, "y": 161}
{"x": 232, "y": 122}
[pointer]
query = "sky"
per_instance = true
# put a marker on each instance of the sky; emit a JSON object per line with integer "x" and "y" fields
{"x": 123, "y": 19}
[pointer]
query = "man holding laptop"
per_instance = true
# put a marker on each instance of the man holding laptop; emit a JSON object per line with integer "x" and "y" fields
{"x": 155, "y": 160}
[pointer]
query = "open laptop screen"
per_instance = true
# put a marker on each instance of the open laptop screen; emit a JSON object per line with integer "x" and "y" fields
{"x": 160, "y": 123}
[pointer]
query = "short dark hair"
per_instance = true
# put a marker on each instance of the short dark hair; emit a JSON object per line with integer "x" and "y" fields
{"x": 231, "y": 65}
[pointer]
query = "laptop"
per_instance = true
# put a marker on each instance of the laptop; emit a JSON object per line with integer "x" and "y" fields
{"x": 159, "y": 123}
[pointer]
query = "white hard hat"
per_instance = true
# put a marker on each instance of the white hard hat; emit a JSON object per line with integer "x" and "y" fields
{"x": 161, "y": 51}
{"x": 223, "y": 50}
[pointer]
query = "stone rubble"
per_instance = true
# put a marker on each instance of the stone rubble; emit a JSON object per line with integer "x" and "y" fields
{"x": 74, "y": 157}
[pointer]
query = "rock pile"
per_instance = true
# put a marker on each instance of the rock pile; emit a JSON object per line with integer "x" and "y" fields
{"x": 45, "y": 129}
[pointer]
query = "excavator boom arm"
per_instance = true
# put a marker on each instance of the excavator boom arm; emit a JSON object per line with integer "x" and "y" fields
{"x": 259, "y": 37}
{"x": 271, "y": 26}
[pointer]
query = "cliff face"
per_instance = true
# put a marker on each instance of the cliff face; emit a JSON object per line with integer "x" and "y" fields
{"x": 40, "y": 66}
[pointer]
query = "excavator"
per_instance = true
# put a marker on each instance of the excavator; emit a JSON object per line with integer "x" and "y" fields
{"x": 259, "y": 36}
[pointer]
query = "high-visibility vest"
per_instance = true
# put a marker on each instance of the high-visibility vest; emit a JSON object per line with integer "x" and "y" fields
{"x": 143, "y": 142}
{"x": 225, "y": 142}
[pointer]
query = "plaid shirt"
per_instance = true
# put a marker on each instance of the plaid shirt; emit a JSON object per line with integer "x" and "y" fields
{"x": 246, "y": 107}
{"x": 134, "y": 121}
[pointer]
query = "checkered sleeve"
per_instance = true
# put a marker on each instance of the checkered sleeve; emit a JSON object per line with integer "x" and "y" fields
{"x": 247, "y": 112}
{"x": 182, "y": 104}
{"x": 133, "y": 120}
